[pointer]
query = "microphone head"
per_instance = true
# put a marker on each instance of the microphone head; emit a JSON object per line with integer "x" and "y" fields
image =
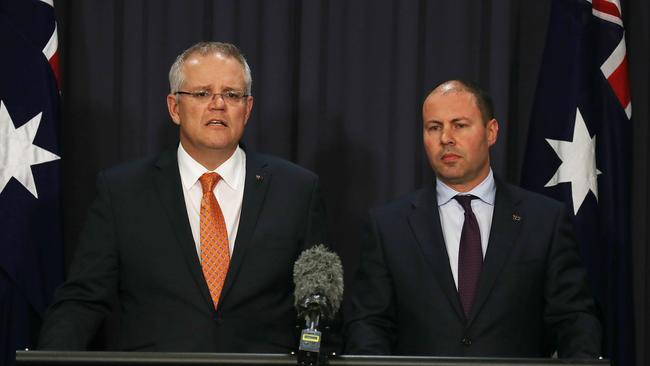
{"x": 318, "y": 277}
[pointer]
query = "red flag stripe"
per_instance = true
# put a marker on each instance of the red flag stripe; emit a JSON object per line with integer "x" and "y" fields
{"x": 615, "y": 67}
{"x": 615, "y": 59}
{"x": 54, "y": 63}
{"x": 618, "y": 80}
{"x": 51, "y": 49}
{"x": 607, "y": 7}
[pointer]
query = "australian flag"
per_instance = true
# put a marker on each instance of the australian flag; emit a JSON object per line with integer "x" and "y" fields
{"x": 31, "y": 252}
{"x": 579, "y": 147}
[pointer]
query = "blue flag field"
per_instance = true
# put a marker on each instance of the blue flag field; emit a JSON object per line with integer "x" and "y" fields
{"x": 31, "y": 252}
{"x": 579, "y": 149}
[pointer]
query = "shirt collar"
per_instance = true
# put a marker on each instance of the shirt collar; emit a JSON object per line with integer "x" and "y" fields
{"x": 485, "y": 191}
{"x": 230, "y": 171}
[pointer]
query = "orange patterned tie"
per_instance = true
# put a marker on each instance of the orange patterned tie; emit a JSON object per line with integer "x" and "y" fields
{"x": 215, "y": 254}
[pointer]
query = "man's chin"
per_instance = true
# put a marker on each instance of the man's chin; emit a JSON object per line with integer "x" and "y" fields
{"x": 450, "y": 177}
{"x": 450, "y": 173}
{"x": 221, "y": 143}
{"x": 222, "y": 147}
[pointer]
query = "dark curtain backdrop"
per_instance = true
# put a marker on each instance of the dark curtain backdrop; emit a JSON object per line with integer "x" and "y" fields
{"x": 338, "y": 88}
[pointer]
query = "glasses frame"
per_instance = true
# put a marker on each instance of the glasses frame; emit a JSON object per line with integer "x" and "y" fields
{"x": 229, "y": 96}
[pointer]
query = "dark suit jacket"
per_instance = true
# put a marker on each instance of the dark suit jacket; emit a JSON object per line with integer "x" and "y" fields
{"x": 532, "y": 295}
{"x": 137, "y": 246}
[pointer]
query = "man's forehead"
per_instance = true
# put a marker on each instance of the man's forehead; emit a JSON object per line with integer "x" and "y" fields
{"x": 451, "y": 89}
{"x": 196, "y": 67}
{"x": 196, "y": 58}
{"x": 456, "y": 94}
{"x": 448, "y": 87}
{"x": 452, "y": 110}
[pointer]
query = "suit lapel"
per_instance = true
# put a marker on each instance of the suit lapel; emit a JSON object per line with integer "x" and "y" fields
{"x": 504, "y": 229}
{"x": 167, "y": 181}
{"x": 255, "y": 187}
{"x": 425, "y": 223}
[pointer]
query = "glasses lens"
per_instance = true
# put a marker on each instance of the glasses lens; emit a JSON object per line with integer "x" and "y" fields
{"x": 232, "y": 96}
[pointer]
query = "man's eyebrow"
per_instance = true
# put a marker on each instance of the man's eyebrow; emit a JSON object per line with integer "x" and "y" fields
{"x": 456, "y": 119}
{"x": 459, "y": 119}
{"x": 231, "y": 88}
{"x": 200, "y": 87}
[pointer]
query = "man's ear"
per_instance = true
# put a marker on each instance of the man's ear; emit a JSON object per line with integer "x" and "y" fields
{"x": 249, "y": 108}
{"x": 492, "y": 131}
{"x": 172, "y": 107}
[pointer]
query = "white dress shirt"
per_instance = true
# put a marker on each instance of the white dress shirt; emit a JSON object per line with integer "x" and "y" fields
{"x": 229, "y": 192}
{"x": 452, "y": 216}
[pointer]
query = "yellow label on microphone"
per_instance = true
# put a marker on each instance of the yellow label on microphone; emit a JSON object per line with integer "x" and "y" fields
{"x": 310, "y": 338}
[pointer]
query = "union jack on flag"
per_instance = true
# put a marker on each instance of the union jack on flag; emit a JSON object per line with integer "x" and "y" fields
{"x": 578, "y": 151}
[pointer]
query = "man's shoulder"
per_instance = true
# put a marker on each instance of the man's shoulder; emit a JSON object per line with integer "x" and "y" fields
{"x": 277, "y": 165}
{"x": 405, "y": 203}
{"x": 426, "y": 197}
{"x": 525, "y": 194}
{"x": 286, "y": 181}
{"x": 534, "y": 201}
{"x": 140, "y": 169}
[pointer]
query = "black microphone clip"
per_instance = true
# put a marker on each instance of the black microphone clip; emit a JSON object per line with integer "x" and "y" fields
{"x": 312, "y": 307}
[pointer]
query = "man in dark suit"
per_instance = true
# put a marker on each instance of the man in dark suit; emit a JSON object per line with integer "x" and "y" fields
{"x": 198, "y": 244}
{"x": 470, "y": 266}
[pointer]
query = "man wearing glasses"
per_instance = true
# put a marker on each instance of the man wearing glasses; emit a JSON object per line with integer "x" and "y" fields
{"x": 197, "y": 245}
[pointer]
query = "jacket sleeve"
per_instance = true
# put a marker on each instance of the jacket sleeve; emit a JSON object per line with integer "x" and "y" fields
{"x": 570, "y": 311}
{"x": 84, "y": 300}
{"x": 371, "y": 322}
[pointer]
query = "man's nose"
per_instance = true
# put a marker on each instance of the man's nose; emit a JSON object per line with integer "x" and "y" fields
{"x": 447, "y": 136}
{"x": 217, "y": 101}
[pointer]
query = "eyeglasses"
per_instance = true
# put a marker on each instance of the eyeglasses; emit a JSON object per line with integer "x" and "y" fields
{"x": 204, "y": 96}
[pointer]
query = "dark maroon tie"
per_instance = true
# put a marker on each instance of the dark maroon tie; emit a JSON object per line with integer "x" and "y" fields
{"x": 470, "y": 255}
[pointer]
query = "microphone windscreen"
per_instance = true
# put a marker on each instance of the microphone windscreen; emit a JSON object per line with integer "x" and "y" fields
{"x": 318, "y": 271}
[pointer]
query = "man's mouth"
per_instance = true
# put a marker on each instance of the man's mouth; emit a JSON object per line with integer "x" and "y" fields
{"x": 216, "y": 122}
{"x": 450, "y": 157}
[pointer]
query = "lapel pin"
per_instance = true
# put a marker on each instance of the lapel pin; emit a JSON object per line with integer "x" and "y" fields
{"x": 259, "y": 178}
{"x": 516, "y": 217}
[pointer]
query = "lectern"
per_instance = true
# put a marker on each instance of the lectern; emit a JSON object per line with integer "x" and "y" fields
{"x": 60, "y": 358}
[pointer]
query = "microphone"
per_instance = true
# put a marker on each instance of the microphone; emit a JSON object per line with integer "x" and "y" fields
{"x": 318, "y": 280}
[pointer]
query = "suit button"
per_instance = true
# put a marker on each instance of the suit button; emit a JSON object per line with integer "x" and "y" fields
{"x": 466, "y": 341}
{"x": 218, "y": 319}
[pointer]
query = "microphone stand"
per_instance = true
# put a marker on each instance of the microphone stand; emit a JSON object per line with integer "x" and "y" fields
{"x": 310, "y": 337}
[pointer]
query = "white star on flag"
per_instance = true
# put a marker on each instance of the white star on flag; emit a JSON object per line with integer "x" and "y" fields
{"x": 578, "y": 163}
{"x": 18, "y": 153}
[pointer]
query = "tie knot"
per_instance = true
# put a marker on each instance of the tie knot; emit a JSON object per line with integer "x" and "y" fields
{"x": 465, "y": 201}
{"x": 208, "y": 181}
